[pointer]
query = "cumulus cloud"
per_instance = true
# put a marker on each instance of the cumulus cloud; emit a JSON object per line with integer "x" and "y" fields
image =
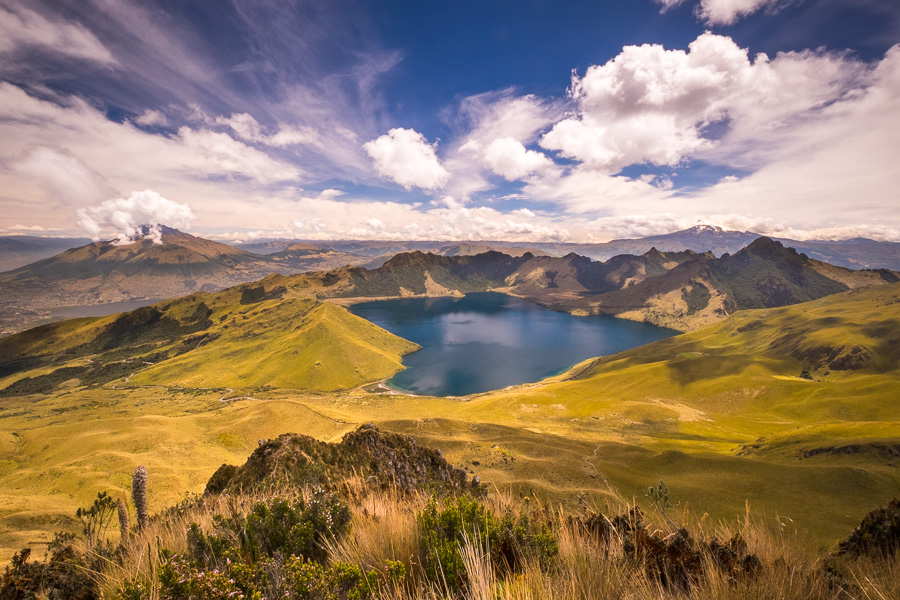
{"x": 487, "y": 117}
{"x": 508, "y": 158}
{"x": 404, "y": 156}
{"x": 328, "y": 218}
{"x": 126, "y": 216}
{"x": 503, "y": 114}
{"x": 652, "y": 105}
{"x": 22, "y": 28}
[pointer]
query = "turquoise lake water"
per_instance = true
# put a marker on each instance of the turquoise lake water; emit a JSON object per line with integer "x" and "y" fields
{"x": 487, "y": 341}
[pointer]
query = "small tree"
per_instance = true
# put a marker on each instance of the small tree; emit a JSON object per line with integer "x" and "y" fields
{"x": 659, "y": 494}
{"x": 97, "y": 519}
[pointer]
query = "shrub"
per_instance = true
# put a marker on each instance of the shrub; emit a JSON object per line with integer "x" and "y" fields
{"x": 63, "y": 575}
{"x": 96, "y": 519}
{"x": 245, "y": 554}
{"x": 878, "y": 533}
{"x": 512, "y": 540}
{"x": 311, "y": 581}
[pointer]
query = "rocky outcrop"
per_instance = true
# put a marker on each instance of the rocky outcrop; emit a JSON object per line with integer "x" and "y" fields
{"x": 381, "y": 459}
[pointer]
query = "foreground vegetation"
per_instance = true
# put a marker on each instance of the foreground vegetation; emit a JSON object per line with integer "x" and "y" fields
{"x": 309, "y": 543}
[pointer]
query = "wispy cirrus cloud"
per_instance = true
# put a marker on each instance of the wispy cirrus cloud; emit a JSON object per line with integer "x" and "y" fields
{"x": 24, "y": 30}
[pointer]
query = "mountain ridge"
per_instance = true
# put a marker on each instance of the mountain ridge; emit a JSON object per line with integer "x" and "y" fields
{"x": 115, "y": 271}
{"x": 680, "y": 290}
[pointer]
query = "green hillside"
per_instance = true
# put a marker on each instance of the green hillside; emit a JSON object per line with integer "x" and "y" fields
{"x": 294, "y": 344}
{"x": 792, "y": 409}
{"x": 248, "y": 337}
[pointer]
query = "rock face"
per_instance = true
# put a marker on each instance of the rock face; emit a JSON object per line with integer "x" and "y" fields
{"x": 381, "y": 459}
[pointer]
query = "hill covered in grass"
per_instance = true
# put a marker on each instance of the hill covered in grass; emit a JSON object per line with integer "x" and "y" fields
{"x": 248, "y": 337}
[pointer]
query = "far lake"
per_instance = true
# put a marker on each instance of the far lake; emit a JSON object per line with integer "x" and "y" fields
{"x": 99, "y": 310}
{"x": 487, "y": 341}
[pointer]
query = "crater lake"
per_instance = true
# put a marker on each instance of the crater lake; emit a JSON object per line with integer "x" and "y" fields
{"x": 487, "y": 341}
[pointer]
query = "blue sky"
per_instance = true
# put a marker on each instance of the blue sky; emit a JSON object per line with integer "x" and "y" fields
{"x": 524, "y": 120}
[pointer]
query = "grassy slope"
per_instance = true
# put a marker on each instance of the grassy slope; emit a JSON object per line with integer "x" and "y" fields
{"x": 690, "y": 410}
{"x": 286, "y": 344}
{"x": 218, "y": 341}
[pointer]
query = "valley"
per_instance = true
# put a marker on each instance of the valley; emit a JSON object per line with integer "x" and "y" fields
{"x": 760, "y": 407}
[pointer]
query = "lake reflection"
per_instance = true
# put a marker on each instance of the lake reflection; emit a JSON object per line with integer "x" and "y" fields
{"x": 487, "y": 341}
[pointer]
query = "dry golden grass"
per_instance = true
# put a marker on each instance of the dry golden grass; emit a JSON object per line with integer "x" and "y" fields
{"x": 385, "y": 528}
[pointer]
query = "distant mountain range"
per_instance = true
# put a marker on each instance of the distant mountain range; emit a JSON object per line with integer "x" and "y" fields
{"x": 20, "y": 250}
{"x": 682, "y": 290}
{"x": 298, "y": 341}
{"x": 857, "y": 253}
{"x": 111, "y": 271}
{"x": 709, "y": 282}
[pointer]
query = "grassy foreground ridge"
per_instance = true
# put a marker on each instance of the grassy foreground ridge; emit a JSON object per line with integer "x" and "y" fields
{"x": 304, "y": 523}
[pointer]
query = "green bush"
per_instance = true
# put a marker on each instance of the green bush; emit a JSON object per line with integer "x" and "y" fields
{"x": 311, "y": 581}
{"x": 511, "y": 539}
{"x": 245, "y": 555}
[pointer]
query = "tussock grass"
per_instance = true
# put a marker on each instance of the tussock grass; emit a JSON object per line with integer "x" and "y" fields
{"x": 385, "y": 527}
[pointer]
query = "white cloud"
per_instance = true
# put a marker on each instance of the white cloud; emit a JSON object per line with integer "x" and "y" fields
{"x": 508, "y": 158}
{"x": 668, "y": 4}
{"x": 488, "y": 117}
{"x": 584, "y": 191}
{"x": 22, "y": 28}
{"x": 294, "y": 136}
{"x": 502, "y": 114}
{"x": 728, "y": 12}
{"x": 220, "y": 153}
{"x": 404, "y": 156}
{"x": 68, "y": 151}
{"x": 149, "y": 118}
{"x": 35, "y": 228}
{"x": 244, "y": 125}
{"x": 249, "y": 129}
{"x": 65, "y": 177}
{"x": 638, "y": 225}
{"x": 652, "y": 105}
{"x": 325, "y": 218}
{"x": 835, "y": 167}
{"x": 725, "y": 12}
{"x": 125, "y": 216}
